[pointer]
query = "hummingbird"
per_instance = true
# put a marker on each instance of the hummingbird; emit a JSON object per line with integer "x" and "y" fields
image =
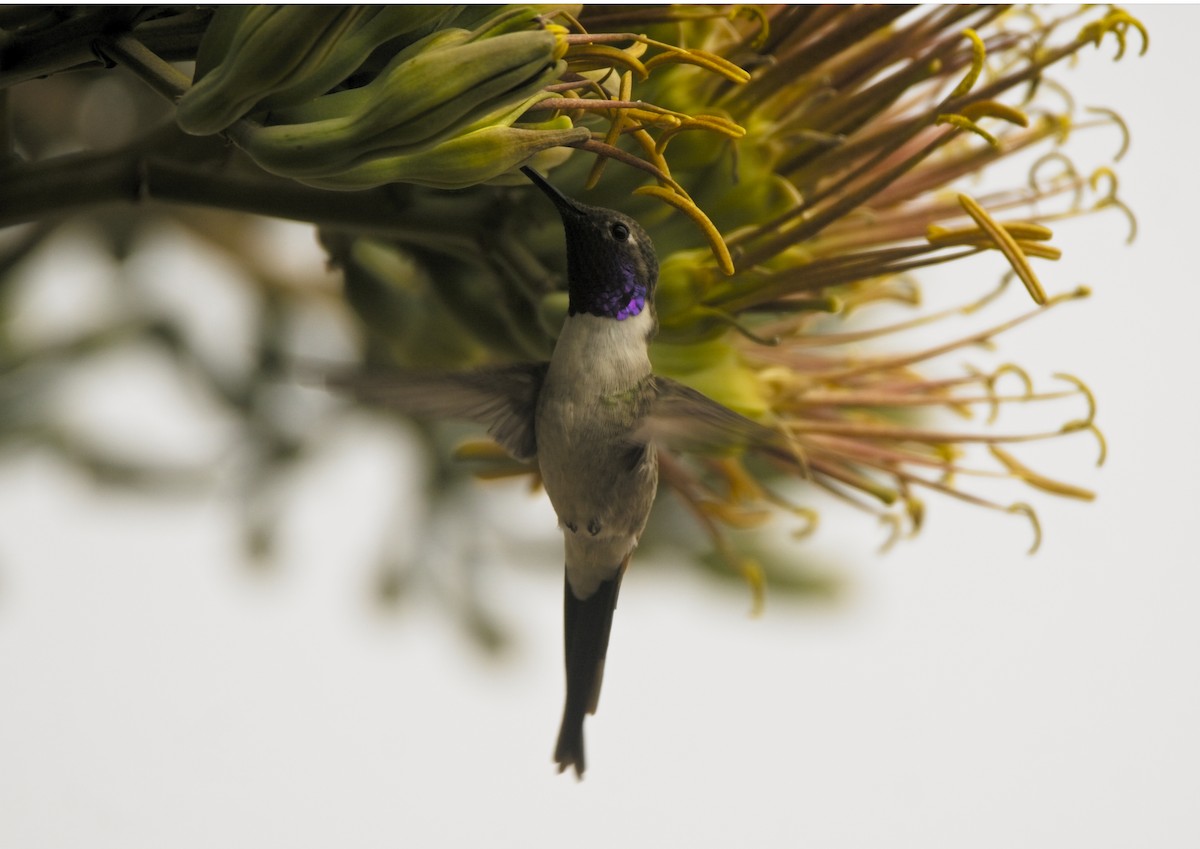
{"x": 593, "y": 420}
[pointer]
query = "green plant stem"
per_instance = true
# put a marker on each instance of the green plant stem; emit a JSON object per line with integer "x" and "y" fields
{"x": 144, "y": 172}
{"x": 375, "y": 211}
{"x": 65, "y": 184}
{"x": 153, "y": 70}
{"x": 41, "y": 49}
{"x": 62, "y": 46}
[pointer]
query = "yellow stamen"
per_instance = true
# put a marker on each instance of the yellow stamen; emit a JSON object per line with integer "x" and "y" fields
{"x": 616, "y": 125}
{"x": 1029, "y": 513}
{"x": 1110, "y": 200}
{"x": 990, "y": 384}
{"x": 895, "y": 531}
{"x": 978, "y": 54}
{"x": 752, "y": 572}
{"x": 1118, "y": 22}
{"x": 915, "y": 508}
{"x": 1096, "y": 432}
{"x": 651, "y": 149}
{"x": 1104, "y": 173}
{"x": 1007, "y": 246}
{"x": 1087, "y": 394}
{"x": 712, "y": 123}
{"x": 593, "y": 56}
{"x": 1069, "y": 173}
{"x": 688, "y": 207}
{"x": 1039, "y": 250}
{"x": 742, "y": 487}
{"x": 760, "y": 17}
{"x": 994, "y": 109}
{"x": 1037, "y": 480}
{"x": 652, "y": 118}
{"x": 1025, "y": 231}
{"x": 1120, "y": 122}
{"x": 700, "y": 58}
{"x": 962, "y": 122}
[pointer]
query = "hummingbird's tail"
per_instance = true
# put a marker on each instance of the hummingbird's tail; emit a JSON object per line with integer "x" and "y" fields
{"x": 587, "y": 625}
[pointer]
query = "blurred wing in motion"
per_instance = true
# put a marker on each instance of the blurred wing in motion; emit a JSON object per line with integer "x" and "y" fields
{"x": 683, "y": 419}
{"x": 503, "y": 398}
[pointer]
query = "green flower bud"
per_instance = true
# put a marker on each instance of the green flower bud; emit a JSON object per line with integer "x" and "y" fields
{"x": 463, "y": 161}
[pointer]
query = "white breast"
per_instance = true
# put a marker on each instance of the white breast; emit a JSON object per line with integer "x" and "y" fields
{"x": 600, "y": 355}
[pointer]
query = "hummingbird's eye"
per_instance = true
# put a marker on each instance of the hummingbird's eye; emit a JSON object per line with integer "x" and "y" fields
{"x": 620, "y": 232}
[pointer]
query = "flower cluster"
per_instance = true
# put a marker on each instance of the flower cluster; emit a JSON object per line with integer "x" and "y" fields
{"x": 812, "y": 185}
{"x": 796, "y": 166}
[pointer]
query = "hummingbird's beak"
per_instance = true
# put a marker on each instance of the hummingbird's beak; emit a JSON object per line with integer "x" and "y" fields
{"x": 565, "y": 204}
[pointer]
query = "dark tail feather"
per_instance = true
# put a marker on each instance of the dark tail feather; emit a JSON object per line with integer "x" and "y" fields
{"x": 587, "y": 625}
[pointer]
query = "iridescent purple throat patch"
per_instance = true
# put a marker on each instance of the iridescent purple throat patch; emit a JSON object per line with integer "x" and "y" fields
{"x": 635, "y": 305}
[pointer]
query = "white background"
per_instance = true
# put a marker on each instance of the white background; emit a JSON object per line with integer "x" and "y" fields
{"x": 961, "y": 694}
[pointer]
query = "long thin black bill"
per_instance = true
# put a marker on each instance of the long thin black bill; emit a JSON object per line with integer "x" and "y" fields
{"x": 560, "y": 200}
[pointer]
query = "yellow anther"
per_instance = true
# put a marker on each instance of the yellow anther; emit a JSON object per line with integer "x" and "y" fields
{"x": 965, "y": 123}
{"x": 1104, "y": 173}
{"x": 1096, "y": 432}
{"x": 700, "y": 58}
{"x": 995, "y": 109}
{"x": 915, "y": 508}
{"x": 1029, "y": 513}
{"x": 760, "y": 17}
{"x": 712, "y": 123}
{"x": 742, "y": 486}
{"x": 560, "y": 40}
{"x": 978, "y": 54}
{"x": 895, "y": 531}
{"x": 1025, "y": 231}
{"x": 1039, "y": 481}
{"x": 1118, "y": 22}
{"x": 1039, "y": 250}
{"x": 1069, "y": 173}
{"x": 594, "y": 56}
{"x": 1120, "y": 122}
{"x": 752, "y": 572}
{"x": 990, "y": 385}
{"x": 1086, "y": 422}
{"x": 1110, "y": 200}
{"x": 687, "y": 206}
{"x": 1007, "y": 246}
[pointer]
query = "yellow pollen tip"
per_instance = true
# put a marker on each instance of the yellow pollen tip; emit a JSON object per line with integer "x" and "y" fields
{"x": 962, "y": 122}
{"x": 995, "y": 109}
{"x": 1029, "y": 513}
{"x": 978, "y": 54}
{"x": 1039, "y": 481}
{"x": 688, "y": 207}
{"x": 1007, "y": 246}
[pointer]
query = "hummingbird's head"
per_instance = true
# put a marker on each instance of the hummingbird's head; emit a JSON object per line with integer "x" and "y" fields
{"x": 611, "y": 265}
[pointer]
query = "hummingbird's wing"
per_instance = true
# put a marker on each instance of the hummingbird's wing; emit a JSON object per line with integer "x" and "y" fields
{"x": 683, "y": 419}
{"x": 502, "y": 398}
